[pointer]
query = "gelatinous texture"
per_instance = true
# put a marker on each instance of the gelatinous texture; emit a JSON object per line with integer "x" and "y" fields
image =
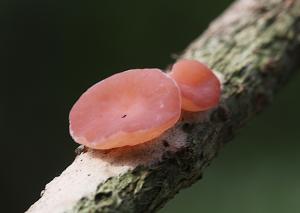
{"x": 127, "y": 108}
{"x": 200, "y": 88}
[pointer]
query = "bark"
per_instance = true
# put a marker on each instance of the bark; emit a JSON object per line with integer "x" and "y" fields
{"x": 254, "y": 47}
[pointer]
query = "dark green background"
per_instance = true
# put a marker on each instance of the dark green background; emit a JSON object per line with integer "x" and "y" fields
{"x": 54, "y": 50}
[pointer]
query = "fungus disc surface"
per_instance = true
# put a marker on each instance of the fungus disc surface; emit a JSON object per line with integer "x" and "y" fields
{"x": 200, "y": 88}
{"x": 127, "y": 108}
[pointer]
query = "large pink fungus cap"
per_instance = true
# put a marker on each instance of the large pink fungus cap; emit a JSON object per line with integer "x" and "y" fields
{"x": 200, "y": 88}
{"x": 126, "y": 109}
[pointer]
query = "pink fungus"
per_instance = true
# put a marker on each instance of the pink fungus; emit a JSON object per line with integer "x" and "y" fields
{"x": 125, "y": 109}
{"x": 200, "y": 88}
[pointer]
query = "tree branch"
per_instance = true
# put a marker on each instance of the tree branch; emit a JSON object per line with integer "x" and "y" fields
{"x": 254, "y": 47}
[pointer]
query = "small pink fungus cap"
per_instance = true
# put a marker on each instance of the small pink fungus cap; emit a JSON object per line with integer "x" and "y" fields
{"x": 199, "y": 86}
{"x": 126, "y": 109}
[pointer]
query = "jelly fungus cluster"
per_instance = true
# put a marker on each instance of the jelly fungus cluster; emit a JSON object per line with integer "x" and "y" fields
{"x": 138, "y": 105}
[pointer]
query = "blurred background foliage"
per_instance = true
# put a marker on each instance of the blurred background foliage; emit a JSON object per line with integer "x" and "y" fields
{"x": 52, "y": 51}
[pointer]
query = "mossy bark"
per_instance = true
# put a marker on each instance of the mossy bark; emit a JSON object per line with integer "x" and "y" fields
{"x": 255, "y": 45}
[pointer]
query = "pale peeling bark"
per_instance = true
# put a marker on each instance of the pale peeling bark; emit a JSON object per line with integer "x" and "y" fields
{"x": 254, "y": 47}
